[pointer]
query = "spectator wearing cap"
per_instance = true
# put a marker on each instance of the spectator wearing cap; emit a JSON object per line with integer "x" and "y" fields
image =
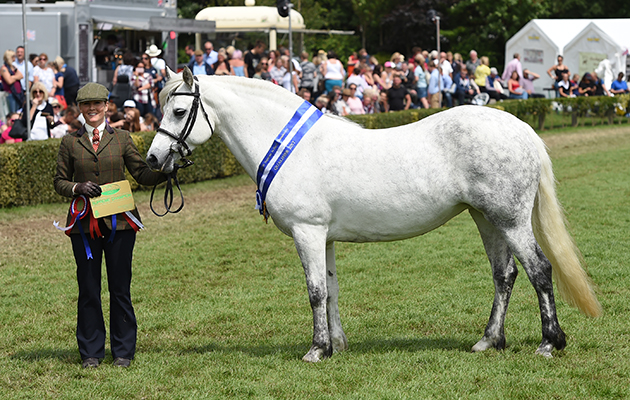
{"x": 157, "y": 63}
{"x": 387, "y": 76}
{"x": 129, "y": 105}
{"x": 493, "y": 85}
{"x": 94, "y": 155}
{"x": 59, "y": 127}
{"x": 198, "y": 66}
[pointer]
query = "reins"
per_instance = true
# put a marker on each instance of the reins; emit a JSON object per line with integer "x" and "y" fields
{"x": 183, "y": 149}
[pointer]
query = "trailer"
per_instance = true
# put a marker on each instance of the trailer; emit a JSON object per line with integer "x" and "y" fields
{"x": 77, "y": 30}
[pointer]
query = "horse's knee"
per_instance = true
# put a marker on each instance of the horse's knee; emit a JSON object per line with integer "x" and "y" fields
{"x": 317, "y": 295}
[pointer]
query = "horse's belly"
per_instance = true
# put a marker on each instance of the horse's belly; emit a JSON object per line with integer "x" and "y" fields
{"x": 350, "y": 224}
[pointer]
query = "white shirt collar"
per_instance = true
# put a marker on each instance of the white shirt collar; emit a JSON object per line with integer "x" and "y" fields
{"x": 90, "y": 130}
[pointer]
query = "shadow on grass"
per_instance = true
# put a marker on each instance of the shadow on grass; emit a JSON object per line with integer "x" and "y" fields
{"x": 376, "y": 346}
{"x": 64, "y": 355}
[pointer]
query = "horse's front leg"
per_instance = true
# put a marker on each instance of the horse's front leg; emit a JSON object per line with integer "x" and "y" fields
{"x": 310, "y": 242}
{"x": 338, "y": 338}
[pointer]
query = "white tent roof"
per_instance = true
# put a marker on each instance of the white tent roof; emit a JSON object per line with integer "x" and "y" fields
{"x": 234, "y": 19}
{"x": 557, "y": 31}
{"x": 562, "y": 31}
{"x": 540, "y": 40}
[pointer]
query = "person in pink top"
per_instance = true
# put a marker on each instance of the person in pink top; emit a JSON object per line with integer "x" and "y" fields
{"x": 514, "y": 65}
{"x": 355, "y": 103}
{"x": 5, "y": 138}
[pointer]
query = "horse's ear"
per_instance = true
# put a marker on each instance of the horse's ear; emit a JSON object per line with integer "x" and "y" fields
{"x": 169, "y": 72}
{"x": 188, "y": 77}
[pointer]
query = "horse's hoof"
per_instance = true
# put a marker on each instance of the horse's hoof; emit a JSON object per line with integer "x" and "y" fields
{"x": 485, "y": 343}
{"x": 481, "y": 345}
{"x": 315, "y": 354}
{"x": 545, "y": 350}
{"x": 340, "y": 344}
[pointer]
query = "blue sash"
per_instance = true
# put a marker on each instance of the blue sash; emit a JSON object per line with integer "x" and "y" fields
{"x": 302, "y": 121}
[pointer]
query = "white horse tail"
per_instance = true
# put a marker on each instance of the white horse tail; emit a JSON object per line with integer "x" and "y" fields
{"x": 550, "y": 230}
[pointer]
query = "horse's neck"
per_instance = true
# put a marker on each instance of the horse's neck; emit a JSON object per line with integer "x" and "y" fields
{"x": 249, "y": 117}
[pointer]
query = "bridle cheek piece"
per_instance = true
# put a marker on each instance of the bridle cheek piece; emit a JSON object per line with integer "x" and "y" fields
{"x": 180, "y": 146}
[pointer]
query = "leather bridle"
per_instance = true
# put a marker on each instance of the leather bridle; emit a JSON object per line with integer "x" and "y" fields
{"x": 180, "y": 140}
{"x": 182, "y": 148}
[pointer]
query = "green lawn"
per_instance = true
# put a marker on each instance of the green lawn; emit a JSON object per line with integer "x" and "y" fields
{"x": 223, "y": 310}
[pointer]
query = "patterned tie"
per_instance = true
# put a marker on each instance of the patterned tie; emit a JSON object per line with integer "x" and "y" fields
{"x": 95, "y": 139}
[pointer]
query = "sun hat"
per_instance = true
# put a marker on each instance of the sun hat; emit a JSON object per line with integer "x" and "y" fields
{"x": 153, "y": 51}
{"x": 389, "y": 64}
{"x": 129, "y": 103}
{"x": 92, "y": 92}
{"x": 493, "y": 70}
{"x": 346, "y": 92}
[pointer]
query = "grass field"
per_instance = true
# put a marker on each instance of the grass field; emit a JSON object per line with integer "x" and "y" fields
{"x": 223, "y": 311}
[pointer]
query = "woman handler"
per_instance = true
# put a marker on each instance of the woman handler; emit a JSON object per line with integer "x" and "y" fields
{"x": 95, "y": 155}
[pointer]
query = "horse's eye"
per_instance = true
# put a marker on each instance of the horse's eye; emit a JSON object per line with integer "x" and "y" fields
{"x": 179, "y": 112}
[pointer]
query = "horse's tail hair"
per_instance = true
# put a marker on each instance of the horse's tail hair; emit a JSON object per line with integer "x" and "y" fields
{"x": 550, "y": 229}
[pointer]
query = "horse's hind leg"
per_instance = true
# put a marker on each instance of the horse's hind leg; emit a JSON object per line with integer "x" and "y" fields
{"x": 504, "y": 274}
{"x": 310, "y": 243}
{"x": 338, "y": 338}
{"x": 521, "y": 240}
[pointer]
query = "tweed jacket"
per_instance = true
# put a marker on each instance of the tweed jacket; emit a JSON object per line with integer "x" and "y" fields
{"x": 78, "y": 162}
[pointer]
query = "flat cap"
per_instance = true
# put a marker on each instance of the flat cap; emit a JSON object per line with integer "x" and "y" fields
{"x": 92, "y": 92}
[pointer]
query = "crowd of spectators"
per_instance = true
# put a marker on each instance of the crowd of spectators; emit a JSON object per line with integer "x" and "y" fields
{"x": 362, "y": 85}
{"x": 359, "y": 85}
{"x": 53, "y": 86}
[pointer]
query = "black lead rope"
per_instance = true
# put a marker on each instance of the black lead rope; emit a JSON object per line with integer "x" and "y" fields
{"x": 168, "y": 193}
{"x": 183, "y": 150}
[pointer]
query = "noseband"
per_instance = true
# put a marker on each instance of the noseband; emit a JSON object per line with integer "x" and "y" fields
{"x": 182, "y": 148}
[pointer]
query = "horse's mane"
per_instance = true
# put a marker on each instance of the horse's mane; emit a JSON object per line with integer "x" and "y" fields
{"x": 177, "y": 80}
{"x": 270, "y": 90}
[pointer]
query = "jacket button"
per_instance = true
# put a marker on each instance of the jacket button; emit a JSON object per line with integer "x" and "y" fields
{"x": 95, "y": 159}
{"x": 96, "y": 173}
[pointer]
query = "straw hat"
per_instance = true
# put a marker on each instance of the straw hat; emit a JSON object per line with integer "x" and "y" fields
{"x": 153, "y": 51}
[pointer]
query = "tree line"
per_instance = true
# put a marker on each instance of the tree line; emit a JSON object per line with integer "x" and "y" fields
{"x": 387, "y": 26}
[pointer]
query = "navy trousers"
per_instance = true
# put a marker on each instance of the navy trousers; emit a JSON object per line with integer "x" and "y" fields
{"x": 90, "y": 323}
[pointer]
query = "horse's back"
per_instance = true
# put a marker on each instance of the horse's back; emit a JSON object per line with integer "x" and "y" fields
{"x": 401, "y": 182}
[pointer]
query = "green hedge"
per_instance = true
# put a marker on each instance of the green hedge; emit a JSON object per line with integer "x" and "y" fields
{"x": 530, "y": 110}
{"x": 27, "y": 169}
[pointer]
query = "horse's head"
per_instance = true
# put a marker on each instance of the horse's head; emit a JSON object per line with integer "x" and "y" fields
{"x": 183, "y": 127}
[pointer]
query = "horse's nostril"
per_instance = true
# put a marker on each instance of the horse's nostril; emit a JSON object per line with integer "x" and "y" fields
{"x": 152, "y": 160}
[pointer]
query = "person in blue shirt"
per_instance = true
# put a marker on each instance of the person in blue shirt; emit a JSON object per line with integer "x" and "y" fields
{"x": 210, "y": 56}
{"x": 619, "y": 86}
{"x": 198, "y": 66}
{"x": 434, "y": 85}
